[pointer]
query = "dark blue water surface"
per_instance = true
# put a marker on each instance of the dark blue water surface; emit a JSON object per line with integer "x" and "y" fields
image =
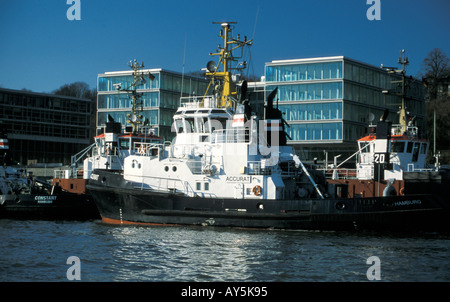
{"x": 38, "y": 251}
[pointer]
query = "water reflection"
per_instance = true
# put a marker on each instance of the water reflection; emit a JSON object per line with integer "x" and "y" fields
{"x": 181, "y": 254}
{"x": 215, "y": 254}
{"x": 37, "y": 251}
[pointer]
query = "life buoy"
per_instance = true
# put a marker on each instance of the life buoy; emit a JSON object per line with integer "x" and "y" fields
{"x": 257, "y": 190}
{"x": 402, "y": 191}
{"x": 142, "y": 149}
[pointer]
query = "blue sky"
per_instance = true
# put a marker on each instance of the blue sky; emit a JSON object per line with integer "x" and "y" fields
{"x": 40, "y": 49}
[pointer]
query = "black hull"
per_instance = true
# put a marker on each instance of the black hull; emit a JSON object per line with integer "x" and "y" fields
{"x": 119, "y": 203}
{"x": 63, "y": 206}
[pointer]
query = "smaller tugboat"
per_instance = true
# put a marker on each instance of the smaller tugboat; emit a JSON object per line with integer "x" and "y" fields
{"x": 107, "y": 152}
{"x": 391, "y": 158}
{"x": 228, "y": 168}
{"x": 25, "y": 197}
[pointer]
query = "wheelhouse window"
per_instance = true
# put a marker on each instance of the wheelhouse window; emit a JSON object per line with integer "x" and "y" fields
{"x": 124, "y": 143}
{"x": 409, "y": 148}
{"x": 398, "y": 147}
{"x": 416, "y": 152}
{"x": 423, "y": 149}
{"x": 364, "y": 146}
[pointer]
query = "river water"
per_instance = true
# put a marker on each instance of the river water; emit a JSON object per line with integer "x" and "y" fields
{"x": 39, "y": 251}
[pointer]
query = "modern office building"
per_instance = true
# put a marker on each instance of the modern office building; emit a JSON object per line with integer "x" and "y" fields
{"x": 44, "y": 128}
{"x": 329, "y": 102}
{"x": 160, "y": 97}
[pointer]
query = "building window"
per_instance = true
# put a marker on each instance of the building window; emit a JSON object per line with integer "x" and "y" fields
{"x": 123, "y": 100}
{"x": 107, "y": 83}
{"x": 315, "y": 132}
{"x": 307, "y": 92}
{"x": 316, "y": 111}
{"x": 304, "y": 72}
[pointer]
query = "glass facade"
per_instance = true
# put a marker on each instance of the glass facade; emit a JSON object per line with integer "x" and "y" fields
{"x": 123, "y": 101}
{"x": 160, "y": 97}
{"x": 310, "y": 96}
{"x": 308, "y": 92}
{"x": 337, "y": 93}
{"x": 304, "y": 72}
{"x": 106, "y": 83}
{"x": 45, "y": 128}
{"x": 315, "y": 131}
{"x": 312, "y": 111}
{"x": 329, "y": 100}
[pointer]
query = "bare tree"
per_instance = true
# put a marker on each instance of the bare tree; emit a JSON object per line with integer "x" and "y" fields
{"x": 436, "y": 76}
{"x": 82, "y": 90}
{"x": 435, "y": 70}
{"x": 76, "y": 89}
{"x": 436, "y": 64}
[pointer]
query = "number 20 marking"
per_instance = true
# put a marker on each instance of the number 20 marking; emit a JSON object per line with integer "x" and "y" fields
{"x": 379, "y": 158}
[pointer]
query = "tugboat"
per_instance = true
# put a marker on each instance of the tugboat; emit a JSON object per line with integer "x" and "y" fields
{"x": 391, "y": 159}
{"x": 228, "y": 168}
{"x": 107, "y": 152}
{"x": 25, "y": 197}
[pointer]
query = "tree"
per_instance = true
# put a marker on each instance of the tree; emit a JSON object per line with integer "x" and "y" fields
{"x": 81, "y": 90}
{"x": 436, "y": 76}
{"x": 78, "y": 90}
{"x": 436, "y": 68}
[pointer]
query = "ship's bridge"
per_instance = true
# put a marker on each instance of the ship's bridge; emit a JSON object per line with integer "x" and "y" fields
{"x": 201, "y": 115}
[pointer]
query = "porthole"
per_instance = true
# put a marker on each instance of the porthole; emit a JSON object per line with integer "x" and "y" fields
{"x": 166, "y": 168}
{"x": 174, "y": 168}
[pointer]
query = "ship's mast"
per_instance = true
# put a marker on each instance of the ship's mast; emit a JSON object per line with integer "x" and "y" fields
{"x": 403, "y": 115}
{"x": 402, "y": 72}
{"x": 228, "y": 89}
{"x": 135, "y": 118}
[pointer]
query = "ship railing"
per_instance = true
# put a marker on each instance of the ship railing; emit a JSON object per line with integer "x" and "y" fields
{"x": 147, "y": 149}
{"x": 257, "y": 168}
{"x": 208, "y": 101}
{"x": 162, "y": 184}
{"x": 340, "y": 173}
{"x": 199, "y": 102}
{"x": 64, "y": 174}
{"x": 75, "y": 159}
{"x": 236, "y": 135}
{"x": 106, "y": 158}
{"x": 105, "y": 151}
{"x": 253, "y": 168}
{"x": 410, "y": 130}
{"x": 412, "y": 168}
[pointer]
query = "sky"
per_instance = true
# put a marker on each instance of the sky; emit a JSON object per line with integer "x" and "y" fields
{"x": 41, "y": 49}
